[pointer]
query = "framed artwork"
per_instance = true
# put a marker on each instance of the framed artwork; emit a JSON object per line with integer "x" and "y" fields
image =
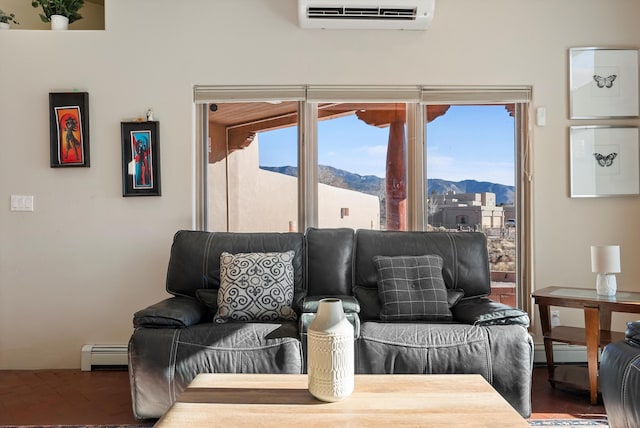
{"x": 69, "y": 129}
{"x": 604, "y": 161}
{"x": 603, "y": 83}
{"x": 140, "y": 159}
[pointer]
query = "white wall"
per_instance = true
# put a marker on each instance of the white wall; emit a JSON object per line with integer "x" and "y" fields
{"x": 76, "y": 269}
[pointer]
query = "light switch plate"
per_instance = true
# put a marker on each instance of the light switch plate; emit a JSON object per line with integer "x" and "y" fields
{"x": 21, "y": 203}
{"x": 541, "y": 116}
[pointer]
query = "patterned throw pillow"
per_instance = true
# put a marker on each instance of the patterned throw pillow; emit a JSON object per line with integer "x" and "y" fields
{"x": 255, "y": 287}
{"x": 411, "y": 288}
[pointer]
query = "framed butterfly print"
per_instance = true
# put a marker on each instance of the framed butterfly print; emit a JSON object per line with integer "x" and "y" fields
{"x": 603, "y": 83}
{"x": 604, "y": 161}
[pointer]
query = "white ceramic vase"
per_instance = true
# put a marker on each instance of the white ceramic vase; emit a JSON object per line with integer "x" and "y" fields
{"x": 59, "y": 22}
{"x": 4, "y": 26}
{"x": 330, "y": 355}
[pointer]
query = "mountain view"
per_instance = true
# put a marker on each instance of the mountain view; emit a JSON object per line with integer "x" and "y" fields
{"x": 373, "y": 185}
{"x": 505, "y": 195}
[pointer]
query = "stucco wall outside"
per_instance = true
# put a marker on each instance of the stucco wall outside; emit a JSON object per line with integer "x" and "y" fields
{"x": 265, "y": 201}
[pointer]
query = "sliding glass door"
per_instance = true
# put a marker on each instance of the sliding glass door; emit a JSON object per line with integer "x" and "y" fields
{"x": 388, "y": 158}
{"x": 253, "y": 166}
{"x": 362, "y": 166}
{"x": 471, "y": 173}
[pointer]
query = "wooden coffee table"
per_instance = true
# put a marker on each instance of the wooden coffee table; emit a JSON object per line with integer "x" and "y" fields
{"x": 264, "y": 400}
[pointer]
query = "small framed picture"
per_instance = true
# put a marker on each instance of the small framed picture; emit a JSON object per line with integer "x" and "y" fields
{"x": 69, "y": 129}
{"x": 604, "y": 161}
{"x": 140, "y": 159}
{"x": 603, "y": 83}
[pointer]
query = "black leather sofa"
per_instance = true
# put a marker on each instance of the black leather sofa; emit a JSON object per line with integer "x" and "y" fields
{"x": 620, "y": 379}
{"x": 175, "y": 339}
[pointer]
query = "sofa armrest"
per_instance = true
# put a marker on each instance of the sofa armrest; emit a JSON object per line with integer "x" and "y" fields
{"x": 350, "y": 304}
{"x": 174, "y": 312}
{"x": 483, "y": 311}
{"x": 633, "y": 333}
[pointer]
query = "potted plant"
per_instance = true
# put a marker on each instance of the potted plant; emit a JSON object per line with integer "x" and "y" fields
{"x": 5, "y": 19}
{"x": 60, "y": 13}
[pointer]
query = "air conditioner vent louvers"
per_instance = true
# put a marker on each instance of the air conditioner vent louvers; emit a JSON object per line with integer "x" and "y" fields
{"x": 361, "y": 13}
{"x": 366, "y": 14}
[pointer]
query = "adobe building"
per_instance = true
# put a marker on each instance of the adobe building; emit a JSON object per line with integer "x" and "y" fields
{"x": 477, "y": 211}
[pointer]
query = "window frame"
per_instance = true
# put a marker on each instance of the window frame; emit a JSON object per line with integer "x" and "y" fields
{"x": 520, "y": 97}
{"x": 417, "y": 98}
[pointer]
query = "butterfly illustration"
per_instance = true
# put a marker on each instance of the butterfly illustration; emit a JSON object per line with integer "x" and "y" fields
{"x": 604, "y": 81}
{"x": 605, "y": 160}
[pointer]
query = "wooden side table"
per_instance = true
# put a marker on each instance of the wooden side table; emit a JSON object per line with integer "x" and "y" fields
{"x": 595, "y": 334}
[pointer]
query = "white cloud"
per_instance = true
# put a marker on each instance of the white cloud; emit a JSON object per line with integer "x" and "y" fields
{"x": 379, "y": 150}
{"x": 440, "y": 162}
{"x": 448, "y": 168}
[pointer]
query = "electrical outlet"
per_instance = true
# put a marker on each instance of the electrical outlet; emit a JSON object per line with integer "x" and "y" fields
{"x": 555, "y": 318}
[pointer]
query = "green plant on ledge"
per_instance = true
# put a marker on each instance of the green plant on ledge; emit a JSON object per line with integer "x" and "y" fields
{"x": 7, "y": 18}
{"x": 68, "y": 8}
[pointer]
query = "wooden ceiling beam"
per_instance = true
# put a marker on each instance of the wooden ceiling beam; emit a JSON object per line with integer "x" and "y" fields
{"x": 380, "y": 115}
{"x": 395, "y": 112}
{"x": 240, "y": 136}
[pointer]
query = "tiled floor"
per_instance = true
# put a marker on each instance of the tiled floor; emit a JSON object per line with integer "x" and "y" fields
{"x": 102, "y": 398}
{"x": 65, "y": 397}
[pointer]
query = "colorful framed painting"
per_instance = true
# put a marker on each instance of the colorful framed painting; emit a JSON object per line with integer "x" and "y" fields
{"x": 69, "y": 129}
{"x": 140, "y": 159}
{"x": 603, "y": 83}
{"x": 604, "y": 161}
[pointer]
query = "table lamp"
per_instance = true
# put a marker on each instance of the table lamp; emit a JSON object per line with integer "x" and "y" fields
{"x": 605, "y": 261}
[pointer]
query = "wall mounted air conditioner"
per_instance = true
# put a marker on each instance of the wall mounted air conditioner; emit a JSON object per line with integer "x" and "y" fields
{"x": 366, "y": 14}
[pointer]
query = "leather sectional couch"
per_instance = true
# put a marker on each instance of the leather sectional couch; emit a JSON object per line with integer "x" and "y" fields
{"x": 179, "y": 337}
{"x": 620, "y": 379}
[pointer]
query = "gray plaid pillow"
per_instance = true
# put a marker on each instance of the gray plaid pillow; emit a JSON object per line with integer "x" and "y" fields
{"x": 411, "y": 288}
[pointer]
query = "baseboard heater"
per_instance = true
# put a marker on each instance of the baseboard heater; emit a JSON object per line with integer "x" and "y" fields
{"x": 103, "y": 356}
{"x": 109, "y": 356}
{"x": 562, "y": 354}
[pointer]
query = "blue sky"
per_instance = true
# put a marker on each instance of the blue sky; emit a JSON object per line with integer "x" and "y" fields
{"x": 468, "y": 142}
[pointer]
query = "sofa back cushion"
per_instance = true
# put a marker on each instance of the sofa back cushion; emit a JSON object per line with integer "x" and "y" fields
{"x": 329, "y": 261}
{"x": 465, "y": 257}
{"x": 195, "y": 258}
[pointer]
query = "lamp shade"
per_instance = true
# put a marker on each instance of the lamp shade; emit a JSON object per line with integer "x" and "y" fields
{"x": 605, "y": 258}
